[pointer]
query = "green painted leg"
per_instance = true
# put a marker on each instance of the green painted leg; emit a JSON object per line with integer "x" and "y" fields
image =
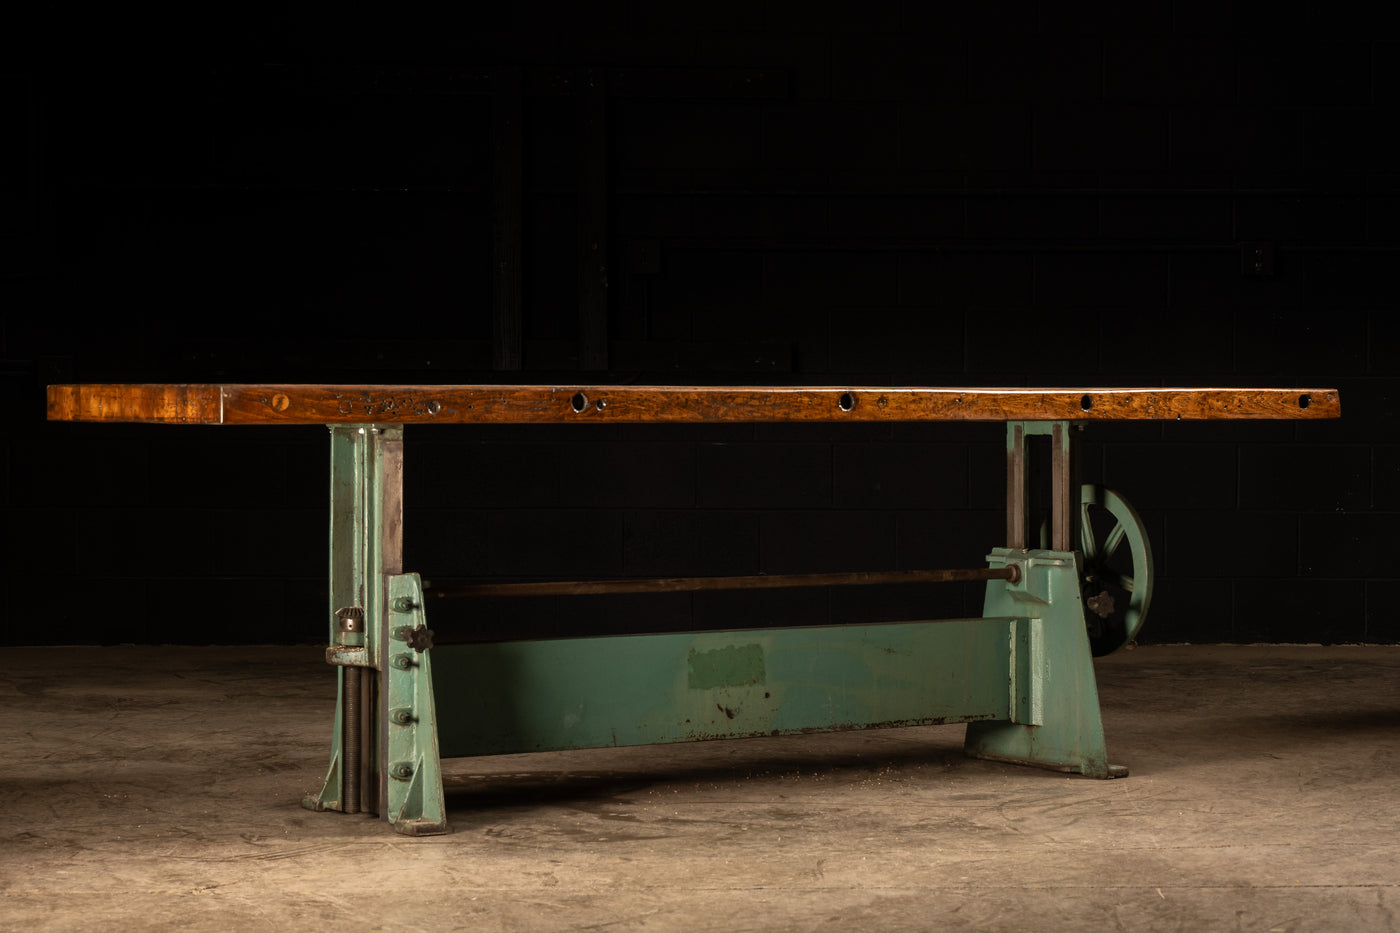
{"x": 416, "y": 805}
{"x": 366, "y": 518}
{"x": 1055, "y": 721}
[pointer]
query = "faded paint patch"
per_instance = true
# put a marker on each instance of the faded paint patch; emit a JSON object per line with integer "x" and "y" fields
{"x": 730, "y": 666}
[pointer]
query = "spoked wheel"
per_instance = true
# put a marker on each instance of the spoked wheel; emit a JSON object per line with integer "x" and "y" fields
{"x": 1117, "y": 572}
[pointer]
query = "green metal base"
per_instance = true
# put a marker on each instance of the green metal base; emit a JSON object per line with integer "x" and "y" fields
{"x": 1021, "y": 677}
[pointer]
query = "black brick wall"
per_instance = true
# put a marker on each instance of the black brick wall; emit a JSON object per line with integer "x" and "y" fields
{"x": 910, "y": 193}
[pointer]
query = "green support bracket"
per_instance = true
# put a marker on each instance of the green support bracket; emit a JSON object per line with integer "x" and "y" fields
{"x": 416, "y": 806}
{"x": 1056, "y": 722}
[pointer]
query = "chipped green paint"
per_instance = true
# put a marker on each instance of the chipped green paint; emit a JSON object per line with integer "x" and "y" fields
{"x": 731, "y": 666}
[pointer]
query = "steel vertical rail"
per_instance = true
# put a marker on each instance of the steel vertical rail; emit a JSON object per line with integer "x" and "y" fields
{"x": 351, "y": 717}
{"x": 384, "y": 539}
{"x": 1016, "y": 485}
{"x": 1061, "y": 502}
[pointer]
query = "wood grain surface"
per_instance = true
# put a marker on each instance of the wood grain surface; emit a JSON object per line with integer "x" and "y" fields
{"x": 536, "y": 404}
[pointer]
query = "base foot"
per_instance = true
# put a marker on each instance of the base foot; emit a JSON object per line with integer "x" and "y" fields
{"x": 422, "y": 827}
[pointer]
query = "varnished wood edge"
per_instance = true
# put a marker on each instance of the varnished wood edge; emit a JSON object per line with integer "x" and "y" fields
{"x": 471, "y": 404}
{"x": 154, "y": 404}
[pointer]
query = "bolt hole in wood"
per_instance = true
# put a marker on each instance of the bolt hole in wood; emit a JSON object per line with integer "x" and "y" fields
{"x": 1304, "y": 400}
{"x": 579, "y": 401}
{"x": 1086, "y": 402}
{"x": 846, "y": 402}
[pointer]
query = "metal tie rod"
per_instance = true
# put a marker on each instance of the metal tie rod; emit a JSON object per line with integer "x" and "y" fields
{"x": 696, "y": 584}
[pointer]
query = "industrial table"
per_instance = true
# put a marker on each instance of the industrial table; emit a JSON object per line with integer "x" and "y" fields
{"x": 1021, "y": 676}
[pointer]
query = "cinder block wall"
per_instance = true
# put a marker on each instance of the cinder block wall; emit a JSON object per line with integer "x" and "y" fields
{"x": 886, "y": 193}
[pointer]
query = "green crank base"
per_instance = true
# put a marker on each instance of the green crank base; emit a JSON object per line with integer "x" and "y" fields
{"x": 1021, "y": 677}
{"x": 1057, "y": 723}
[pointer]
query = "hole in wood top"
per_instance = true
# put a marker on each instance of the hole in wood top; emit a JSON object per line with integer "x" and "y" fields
{"x": 579, "y": 401}
{"x": 846, "y": 402}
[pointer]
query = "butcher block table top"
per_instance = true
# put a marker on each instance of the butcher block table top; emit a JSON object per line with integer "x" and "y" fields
{"x": 544, "y": 404}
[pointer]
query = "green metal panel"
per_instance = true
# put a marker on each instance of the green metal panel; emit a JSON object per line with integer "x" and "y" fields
{"x": 644, "y": 689}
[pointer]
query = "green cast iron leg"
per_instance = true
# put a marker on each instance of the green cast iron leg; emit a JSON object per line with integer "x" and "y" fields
{"x": 366, "y": 543}
{"x": 1055, "y": 721}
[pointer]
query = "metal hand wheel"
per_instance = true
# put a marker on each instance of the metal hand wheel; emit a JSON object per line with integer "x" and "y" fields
{"x": 1116, "y": 580}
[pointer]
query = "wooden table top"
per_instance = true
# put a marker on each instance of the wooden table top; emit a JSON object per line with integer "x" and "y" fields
{"x": 541, "y": 404}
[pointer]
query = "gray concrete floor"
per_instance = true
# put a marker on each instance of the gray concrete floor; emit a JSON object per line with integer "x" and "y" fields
{"x": 159, "y": 789}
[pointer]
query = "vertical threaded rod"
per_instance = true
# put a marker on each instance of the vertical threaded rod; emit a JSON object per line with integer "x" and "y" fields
{"x": 350, "y": 742}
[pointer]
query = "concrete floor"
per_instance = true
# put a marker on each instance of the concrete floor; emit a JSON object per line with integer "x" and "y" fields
{"x": 159, "y": 789}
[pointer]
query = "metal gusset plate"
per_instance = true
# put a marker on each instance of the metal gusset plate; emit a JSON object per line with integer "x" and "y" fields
{"x": 1117, "y": 568}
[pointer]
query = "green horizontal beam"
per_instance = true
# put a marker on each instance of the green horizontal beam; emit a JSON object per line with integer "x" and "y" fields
{"x": 529, "y": 696}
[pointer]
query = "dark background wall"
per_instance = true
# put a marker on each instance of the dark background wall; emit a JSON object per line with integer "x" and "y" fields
{"x": 816, "y": 193}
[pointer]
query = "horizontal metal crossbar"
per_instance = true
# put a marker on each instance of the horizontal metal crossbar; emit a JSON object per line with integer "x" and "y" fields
{"x": 696, "y": 584}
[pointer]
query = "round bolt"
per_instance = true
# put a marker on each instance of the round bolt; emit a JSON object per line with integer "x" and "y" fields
{"x": 404, "y": 604}
{"x": 402, "y": 661}
{"x": 401, "y": 770}
{"x": 401, "y": 716}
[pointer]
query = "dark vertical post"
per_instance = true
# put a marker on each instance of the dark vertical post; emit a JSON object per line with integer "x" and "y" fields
{"x": 1061, "y": 482}
{"x": 507, "y": 212}
{"x": 1016, "y": 505}
{"x": 352, "y": 718}
{"x": 593, "y": 220}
